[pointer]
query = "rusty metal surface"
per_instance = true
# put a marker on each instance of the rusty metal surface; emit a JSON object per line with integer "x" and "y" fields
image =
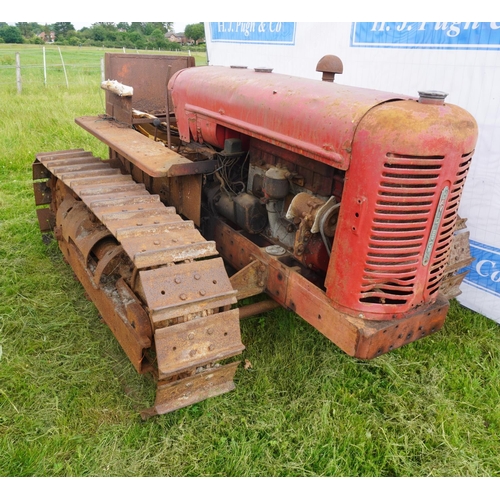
{"x": 377, "y": 338}
{"x": 198, "y": 342}
{"x": 450, "y": 287}
{"x": 288, "y": 286}
{"x": 190, "y": 287}
{"x": 133, "y": 336}
{"x": 187, "y": 391}
{"x": 42, "y": 193}
{"x": 460, "y": 257}
{"x": 46, "y": 219}
{"x": 184, "y": 193}
{"x": 39, "y": 171}
{"x": 107, "y": 192}
{"x": 197, "y": 167}
{"x": 257, "y": 308}
{"x": 250, "y": 280}
{"x": 147, "y": 74}
{"x": 109, "y": 228}
{"x": 151, "y": 157}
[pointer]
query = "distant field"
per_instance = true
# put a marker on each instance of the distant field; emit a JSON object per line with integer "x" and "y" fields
{"x": 69, "y": 398}
{"x": 80, "y": 63}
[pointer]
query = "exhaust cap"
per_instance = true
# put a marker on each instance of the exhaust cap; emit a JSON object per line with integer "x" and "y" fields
{"x": 432, "y": 96}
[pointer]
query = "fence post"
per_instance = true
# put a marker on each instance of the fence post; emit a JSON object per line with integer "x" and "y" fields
{"x": 44, "y": 68}
{"x": 18, "y": 73}
{"x": 102, "y": 69}
{"x": 64, "y": 68}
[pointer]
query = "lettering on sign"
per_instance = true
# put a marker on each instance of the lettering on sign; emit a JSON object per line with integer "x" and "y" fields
{"x": 427, "y": 35}
{"x": 484, "y": 272}
{"x": 278, "y": 33}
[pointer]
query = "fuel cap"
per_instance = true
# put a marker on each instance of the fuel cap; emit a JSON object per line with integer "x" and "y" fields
{"x": 432, "y": 96}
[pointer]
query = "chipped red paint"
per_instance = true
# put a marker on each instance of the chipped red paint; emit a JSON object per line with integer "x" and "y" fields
{"x": 405, "y": 157}
{"x": 312, "y": 118}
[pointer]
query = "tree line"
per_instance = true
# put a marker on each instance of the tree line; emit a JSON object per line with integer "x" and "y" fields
{"x": 138, "y": 35}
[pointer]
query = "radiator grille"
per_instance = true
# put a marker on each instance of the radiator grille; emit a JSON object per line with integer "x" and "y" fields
{"x": 406, "y": 192}
{"x": 443, "y": 241}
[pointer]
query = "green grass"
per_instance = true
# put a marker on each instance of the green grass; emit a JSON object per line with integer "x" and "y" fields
{"x": 69, "y": 398}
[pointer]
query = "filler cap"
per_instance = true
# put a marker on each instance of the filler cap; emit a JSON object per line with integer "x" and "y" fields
{"x": 432, "y": 96}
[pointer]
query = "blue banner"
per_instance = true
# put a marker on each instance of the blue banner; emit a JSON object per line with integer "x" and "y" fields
{"x": 253, "y": 32}
{"x": 427, "y": 35}
{"x": 484, "y": 272}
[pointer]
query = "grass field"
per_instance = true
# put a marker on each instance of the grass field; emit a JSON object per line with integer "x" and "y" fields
{"x": 69, "y": 398}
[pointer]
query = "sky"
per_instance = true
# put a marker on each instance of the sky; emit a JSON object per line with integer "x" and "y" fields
{"x": 225, "y": 10}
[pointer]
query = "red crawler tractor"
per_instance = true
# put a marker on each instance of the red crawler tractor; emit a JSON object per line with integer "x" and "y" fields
{"x": 340, "y": 203}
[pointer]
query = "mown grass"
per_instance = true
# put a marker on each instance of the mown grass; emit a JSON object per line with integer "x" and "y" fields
{"x": 69, "y": 398}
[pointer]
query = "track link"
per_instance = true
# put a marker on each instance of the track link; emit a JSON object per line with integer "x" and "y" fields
{"x": 155, "y": 280}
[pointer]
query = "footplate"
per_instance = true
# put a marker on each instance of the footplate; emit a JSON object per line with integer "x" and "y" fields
{"x": 155, "y": 280}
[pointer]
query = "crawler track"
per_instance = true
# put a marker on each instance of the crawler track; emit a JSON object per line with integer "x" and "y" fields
{"x": 155, "y": 280}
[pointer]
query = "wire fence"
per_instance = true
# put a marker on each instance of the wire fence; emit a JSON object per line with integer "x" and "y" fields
{"x": 41, "y": 66}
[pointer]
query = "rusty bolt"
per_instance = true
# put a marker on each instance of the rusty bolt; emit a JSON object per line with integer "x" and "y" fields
{"x": 156, "y": 242}
{"x": 174, "y": 240}
{"x": 202, "y": 292}
{"x": 211, "y": 347}
{"x": 191, "y": 336}
{"x": 197, "y": 276}
{"x": 260, "y": 283}
{"x": 210, "y": 331}
{"x": 177, "y": 279}
{"x": 183, "y": 296}
{"x": 192, "y": 352}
